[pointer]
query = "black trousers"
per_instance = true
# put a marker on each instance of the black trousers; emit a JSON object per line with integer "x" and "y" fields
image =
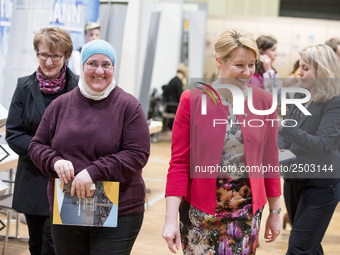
{"x": 310, "y": 210}
{"x": 40, "y": 239}
{"x": 78, "y": 240}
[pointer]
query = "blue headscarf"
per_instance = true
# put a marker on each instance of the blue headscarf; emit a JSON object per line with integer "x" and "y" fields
{"x": 89, "y": 49}
{"x": 98, "y": 47}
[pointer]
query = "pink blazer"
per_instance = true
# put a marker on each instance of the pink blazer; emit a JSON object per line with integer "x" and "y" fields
{"x": 192, "y": 130}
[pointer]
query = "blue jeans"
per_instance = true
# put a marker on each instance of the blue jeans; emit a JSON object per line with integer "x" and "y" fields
{"x": 310, "y": 210}
{"x": 78, "y": 240}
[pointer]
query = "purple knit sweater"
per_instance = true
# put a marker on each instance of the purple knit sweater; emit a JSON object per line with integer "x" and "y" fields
{"x": 110, "y": 138}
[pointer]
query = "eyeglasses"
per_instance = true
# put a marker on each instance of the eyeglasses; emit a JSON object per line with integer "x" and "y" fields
{"x": 93, "y": 65}
{"x": 45, "y": 56}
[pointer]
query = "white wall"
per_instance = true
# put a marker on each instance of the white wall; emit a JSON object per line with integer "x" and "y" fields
{"x": 168, "y": 44}
{"x": 135, "y": 44}
{"x": 293, "y": 35}
{"x": 130, "y": 50}
{"x": 197, "y": 34}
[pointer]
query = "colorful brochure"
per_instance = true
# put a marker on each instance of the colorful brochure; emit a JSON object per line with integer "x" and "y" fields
{"x": 99, "y": 210}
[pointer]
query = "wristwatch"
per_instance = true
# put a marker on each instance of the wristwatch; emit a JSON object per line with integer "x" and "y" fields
{"x": 275, "y": 211}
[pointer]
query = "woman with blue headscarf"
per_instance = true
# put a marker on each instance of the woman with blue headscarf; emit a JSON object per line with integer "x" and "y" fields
{"x": 97, "y": 132}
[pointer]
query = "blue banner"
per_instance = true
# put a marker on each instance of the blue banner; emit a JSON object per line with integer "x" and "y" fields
{"x": 6, "y": 8}
{"x": 72, "y": 15}
{"x": 18, "y": 22}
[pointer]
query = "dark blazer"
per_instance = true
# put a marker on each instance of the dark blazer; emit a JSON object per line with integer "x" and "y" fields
{"x": 172, "y": 94}
{"x": 315, "y": 142}
{"x": 25, "y": 113}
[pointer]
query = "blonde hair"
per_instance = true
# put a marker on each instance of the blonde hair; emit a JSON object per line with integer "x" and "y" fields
{"x": 326, "y": 70}
{"x": 182, "y": 68}
{"x": 234, "y": 39}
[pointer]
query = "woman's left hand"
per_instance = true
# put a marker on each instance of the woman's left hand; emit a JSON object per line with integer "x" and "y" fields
{"x": 82, "y": 184}
{"x": 273, "y": 227}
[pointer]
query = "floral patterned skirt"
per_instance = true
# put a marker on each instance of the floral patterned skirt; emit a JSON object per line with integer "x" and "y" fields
{"x": 232, "y": 230}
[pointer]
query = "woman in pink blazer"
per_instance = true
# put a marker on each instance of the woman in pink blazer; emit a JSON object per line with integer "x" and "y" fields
{"x": 220, "y": 174}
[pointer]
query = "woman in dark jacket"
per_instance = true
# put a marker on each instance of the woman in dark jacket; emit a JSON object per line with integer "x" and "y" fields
{"x": 311, "y": 187}
{"x": 33, "y": 94}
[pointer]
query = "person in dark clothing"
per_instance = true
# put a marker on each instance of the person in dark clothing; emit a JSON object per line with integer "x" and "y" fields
{"x": 33, "y": 94}
{"x": 313, "y": 195}
{"x": 173, "y": 91}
